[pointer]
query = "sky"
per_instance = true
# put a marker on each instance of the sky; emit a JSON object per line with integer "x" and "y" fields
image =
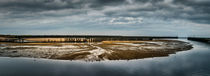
{"x": 105, "y": 17}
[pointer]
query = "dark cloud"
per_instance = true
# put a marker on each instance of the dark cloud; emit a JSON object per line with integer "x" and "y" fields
{"x": 193, "y": 10}
{"x": 99, "y": 4}
{"x": 38, "y": 5}
{"x": 39, "y": 8}
{"x": 201, "y": 13}
{"x": 85, "y": 13}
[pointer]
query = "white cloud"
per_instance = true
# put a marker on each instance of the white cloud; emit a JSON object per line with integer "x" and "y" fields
{"x": 126, "y": 20}
{"x": 130, "y": 1}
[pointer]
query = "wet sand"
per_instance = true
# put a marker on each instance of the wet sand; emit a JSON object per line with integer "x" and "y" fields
{"x": 106, "y": 50}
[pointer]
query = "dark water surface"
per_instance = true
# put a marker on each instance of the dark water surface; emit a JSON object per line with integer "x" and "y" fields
{"x": 195, "y": 62}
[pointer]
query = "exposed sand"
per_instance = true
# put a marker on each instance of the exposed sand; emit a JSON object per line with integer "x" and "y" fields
{"x": 107, "y": 50}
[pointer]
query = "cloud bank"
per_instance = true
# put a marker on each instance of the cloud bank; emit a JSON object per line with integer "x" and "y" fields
{"x": 117, "y": 17}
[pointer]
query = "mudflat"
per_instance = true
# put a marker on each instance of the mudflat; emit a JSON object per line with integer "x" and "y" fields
{"x": 106, "y": 50}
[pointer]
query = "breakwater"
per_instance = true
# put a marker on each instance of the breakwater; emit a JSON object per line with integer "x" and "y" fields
{"x": 206, "y": 40}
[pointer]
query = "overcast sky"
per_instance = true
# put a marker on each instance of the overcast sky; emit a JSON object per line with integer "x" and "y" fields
{"x": 106, "y": 17}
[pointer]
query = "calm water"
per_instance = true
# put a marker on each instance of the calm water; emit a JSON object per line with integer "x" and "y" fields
{"x": 195, "y": 62}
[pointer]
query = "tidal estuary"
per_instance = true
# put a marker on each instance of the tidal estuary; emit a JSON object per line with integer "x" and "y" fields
{"x": 194, "y": 62}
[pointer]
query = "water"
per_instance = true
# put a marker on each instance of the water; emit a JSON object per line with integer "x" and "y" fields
{"x": 193, "y": 62}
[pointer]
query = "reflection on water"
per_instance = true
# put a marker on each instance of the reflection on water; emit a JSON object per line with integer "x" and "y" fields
{"x": 194, "y": 62}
